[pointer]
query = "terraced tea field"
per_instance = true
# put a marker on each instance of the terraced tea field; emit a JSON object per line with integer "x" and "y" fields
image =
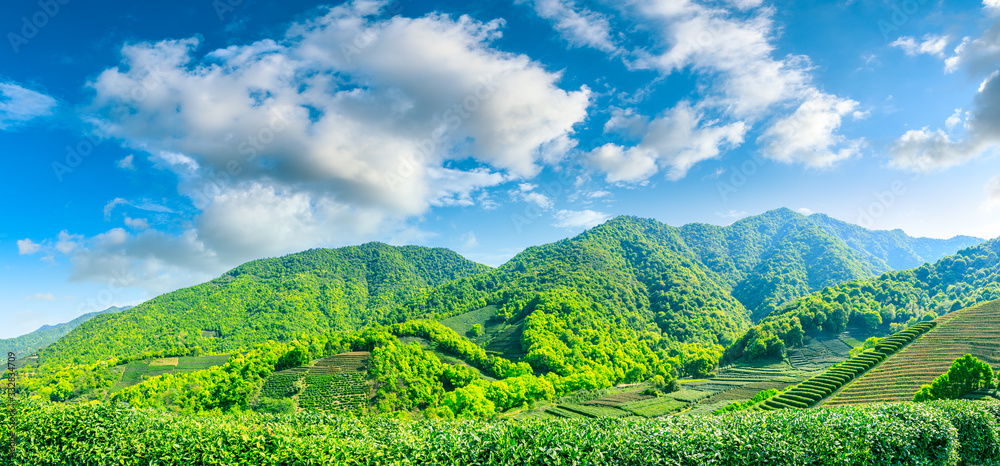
{"x": 821, "y": 351}
{"x": 974, "y": 330}
{"x": 137, "y": 371}
{"x": 335, "y": 383}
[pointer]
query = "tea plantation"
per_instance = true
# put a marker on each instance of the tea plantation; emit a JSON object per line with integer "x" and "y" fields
{"x": 97, "y": 433}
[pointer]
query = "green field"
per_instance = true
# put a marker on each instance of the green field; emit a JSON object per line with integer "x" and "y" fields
{"x": 137, "y": 371}
{"x": 974, "y": 330}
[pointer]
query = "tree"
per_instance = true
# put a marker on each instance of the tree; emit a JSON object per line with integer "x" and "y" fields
{"x": 967, "y": 374}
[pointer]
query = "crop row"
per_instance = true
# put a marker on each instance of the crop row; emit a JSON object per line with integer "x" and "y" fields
{"x": 972, "y": 330}
{"x": 812, "y": 391}
{"x": 937, "y": 433}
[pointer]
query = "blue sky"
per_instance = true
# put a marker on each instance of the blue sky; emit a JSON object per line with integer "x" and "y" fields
{"x": 153, "y": 145}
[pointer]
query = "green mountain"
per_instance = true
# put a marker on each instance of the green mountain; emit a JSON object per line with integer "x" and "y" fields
{"x": 880, "y": 305}
{"x": 640, "y": 278}
{"x": 25, "y": 345}
{"x": 271, "y": 299}
{"x": 630, "y": 300}
{"x": 772, "y": 258}
{"x": 892, "y": 250}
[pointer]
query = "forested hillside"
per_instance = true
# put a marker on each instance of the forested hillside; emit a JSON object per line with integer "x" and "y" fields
{"x": 271, "y": 299}
{"x": 631, "y": 300}
{"x": 893, "y": 300}
{"x": 24, "y": 345}
{"x": 892, "y": 250}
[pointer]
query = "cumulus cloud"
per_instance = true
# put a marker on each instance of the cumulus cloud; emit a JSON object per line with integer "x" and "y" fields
{"x": 675, "y": 141}
{"x": 580, "y": 27}
{"x": 19, "y": 105}
{"x": 26, "y": 246}
{"x": 347, "y": 126}
{"x": 746, "y": 82}
{"x": 576, "y": 219}
{"x": 809, "y": 135}
{"x": 931, "y": 45}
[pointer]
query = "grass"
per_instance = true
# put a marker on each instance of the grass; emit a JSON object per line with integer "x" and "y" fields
{"x": 974, "y": 330}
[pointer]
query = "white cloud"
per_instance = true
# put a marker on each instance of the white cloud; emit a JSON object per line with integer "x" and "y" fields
{"x": 735, "y": 50}
{"x": 991, "y": 3}
{"x": 338, "y": 139}
{"x": 20, "y": 105}
{"x": 126, "y": 163}
{"x": 137, "y": 223}
{"x": 624, "y": 165}
{"x": 675, "y": 141}
{"x": 954, "y": 120}
{"x": 809, "y": 135}
{"x": 743, "y": 82}
{"x": 579, "y": 218}
{"x": 979, "y": 55}
{"x": 26, "y": 246}
{"x": 928, "y": 150}
{"x": 580, "y": 27}
{"x": 930, "y": 45}
{"x": 41, "y": 297}
{"x": 67, "y": 242}
{"x": 804, "y": 211}
{"x": 538, "y": 199}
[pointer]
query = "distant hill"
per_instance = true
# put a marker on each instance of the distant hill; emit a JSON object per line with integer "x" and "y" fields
{"x": 892, "y": 250}
{"x": 280, "y": 299}
{"x": 25, "y": 345}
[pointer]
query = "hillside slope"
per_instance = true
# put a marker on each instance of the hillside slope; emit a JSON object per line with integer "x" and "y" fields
{"x": 271, "y": 299}
{"x": 974, "y": 330}
{"x": 885, "y": 303}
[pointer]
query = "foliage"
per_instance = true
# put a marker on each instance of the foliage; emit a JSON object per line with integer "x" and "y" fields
{"x": 96, "y": 433}
{"x": 740, "y": 406}
{"x": 967, "y": 374}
